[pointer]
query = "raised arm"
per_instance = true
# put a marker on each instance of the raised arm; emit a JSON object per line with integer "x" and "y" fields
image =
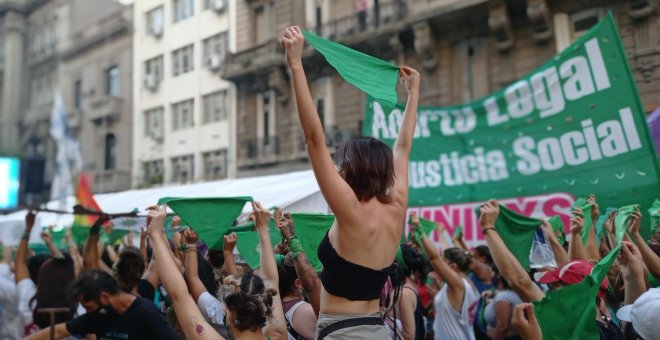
{"x": 507, "y": 264}
{"x": 190, "y": 318}
{"x": 73, "y": 250}
{"x": 48, "y": 240}
{"x": 403, "y": 144}
{"x": 308, "y": 277}
{"x": 632, "y": 269}
{"x": 591, "y": 247}
{"x": 228, "y": 252}
{"x": 143, "y": 246}
{"x": 575, "y": 247}
{"x": 440, "y": 228}
{"x": 337, "y": 192}
{"x": 195, "y": 285}
{"x": 561, "y": 257}
{"x": 651, "y": 260}
{"x": 21, "y": 268}
{"x": 91, "y": 251}
{"x": 276, "y": 326}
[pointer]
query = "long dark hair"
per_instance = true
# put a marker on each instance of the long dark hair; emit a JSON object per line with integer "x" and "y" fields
{"x": 367, "y": 165}
{"x": 55, "y": 276}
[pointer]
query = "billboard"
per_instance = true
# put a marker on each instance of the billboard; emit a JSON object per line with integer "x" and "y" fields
{"x": 10, "y": 175}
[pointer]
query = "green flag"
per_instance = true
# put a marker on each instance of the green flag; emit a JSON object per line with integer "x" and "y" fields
{"x": 654, "y": 212}
{"x": 209, "y": 217}
{"x": 249, "y": 247}
{"x": 375, "y": 77}
{"x": 600, "y": 223}
{"x": 311, "y": 229}
{"x": 458, "y": 231}
{"x": 425, "y": 226}
{"x": 558, "y": 228}
{"x": 517, "y": 232}
{"x": 621, "y": 220}
{"x": 570, "y": 312}
{"x": 581, "y": 203}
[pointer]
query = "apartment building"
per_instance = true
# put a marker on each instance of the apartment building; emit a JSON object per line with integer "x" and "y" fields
{"x": 183, "y": 111}
{"x": 43, "y": 44}
{"x": 463, "y": 49}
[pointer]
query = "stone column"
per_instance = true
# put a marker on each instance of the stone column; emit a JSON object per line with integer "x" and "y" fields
{"x": 14, "y": 76}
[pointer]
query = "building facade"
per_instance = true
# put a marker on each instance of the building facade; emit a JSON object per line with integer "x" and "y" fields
{"x": 183, "y": 116}
{"x": 463, "y": 49}
{"x": 43, "y": 44}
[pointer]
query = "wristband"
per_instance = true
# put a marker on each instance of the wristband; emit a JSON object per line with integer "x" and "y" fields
{"x": 484, "y": 230}
{"x": 26, "y": 236}
{"x": 295, "y": 246}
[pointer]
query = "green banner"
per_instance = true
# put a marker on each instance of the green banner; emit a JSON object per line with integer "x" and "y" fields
{"x": 573, "y": 127}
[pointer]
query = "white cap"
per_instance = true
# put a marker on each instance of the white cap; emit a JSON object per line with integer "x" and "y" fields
{"x": 643, "y": 314}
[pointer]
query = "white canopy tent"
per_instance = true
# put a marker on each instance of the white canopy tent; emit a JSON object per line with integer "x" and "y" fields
{"x": 296, "y": 192}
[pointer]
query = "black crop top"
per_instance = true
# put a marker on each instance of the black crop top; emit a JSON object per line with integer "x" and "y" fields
{"x": 349, "y": 280}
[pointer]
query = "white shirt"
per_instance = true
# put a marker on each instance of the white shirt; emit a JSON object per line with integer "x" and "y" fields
{"x": 11, "y": 325}
{"x": 26, "y": 290}
{"x": 450, "y": 324}
{"x": 212, "y": 309}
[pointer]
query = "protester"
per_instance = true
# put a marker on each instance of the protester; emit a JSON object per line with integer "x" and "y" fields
{"x": 368, "y": 194}
{"x": 499, "y": 311}
{"x": 111, "y": 312}
{"x": 253, "y": 307}
{"x": 408, "y": 307}
{"x": 455, "y": 305}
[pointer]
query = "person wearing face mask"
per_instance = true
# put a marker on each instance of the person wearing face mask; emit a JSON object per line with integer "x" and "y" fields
{"x": 111, "y": 312}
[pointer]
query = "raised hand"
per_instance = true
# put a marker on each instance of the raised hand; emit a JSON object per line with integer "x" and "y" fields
{"x": 524, "y": 320}
{"x": 45, "y": 235}
{"x": 634, "y": 222}
{"x": 230, "y": 242}
{"x": 577, "y": 222}
{"x": 190, "y": 236}
{"x": 29, "y": 221}
{"x": 293, "y": 40}
{"x": 488, "y": 214}
{"x": 286, "y": 227}
{"x": 410, "y": 78}
{"x": 595, "y": 210}
{"x": 630, "y": 259}
{"x": 261, "y": 216}
{"x": 158, "y": 215}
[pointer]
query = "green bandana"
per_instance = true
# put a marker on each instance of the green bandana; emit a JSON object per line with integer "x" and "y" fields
{"x": 569, "y": 312}
{"x": 247, "y": 243}
{"x": 654, "y": 212}
{"x": 621, "y": 221}
{"x": 517, "y": 232}
{"x": 581, "y": 203}
{"x": 375, "y": 77}
{"x": 600, "y": 223}
{"x": 425, "y": 227}
{"x": 209, "y": 217}
{"x": 458, "y": 231}
{"x": 558, "y": 228}
{"x": 311, "y": 229}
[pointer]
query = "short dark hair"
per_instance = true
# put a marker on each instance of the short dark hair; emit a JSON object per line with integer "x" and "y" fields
{"x": 413, "y": 259}
{"x": 485, "y": 252}
{"x": 216, "y": 258}
{"x": 90, "y": 284}
{"x": 34, "y": 265}
{"x": 459, "y": 257}
{"x": 287, "y": 274}
{"x": 367, "y": 165}
{"x": 207, "y": 275}
{"x": 130, "y": 268}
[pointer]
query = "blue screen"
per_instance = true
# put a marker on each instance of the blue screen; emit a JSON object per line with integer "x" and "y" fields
{"x": 9, "y": 182}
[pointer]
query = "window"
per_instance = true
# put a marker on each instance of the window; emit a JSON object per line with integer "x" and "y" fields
{"x": 154, "y": 67}
{"x": 155, "y": 21}
{"x": 215, "y": 107}
{"x": 266, "y": 118}
{"x": 182, "y": 115}
{"x": 182, "y": 9}
{"x": 262, "y": 24}
{"x": 215, "y": 164}
{"x": 112, "y": 81}
{"x": 214, "y": 47}
{"x": 570, "y": 27}
{"x": 153, "y": 123}
{"x": 183, "y": 169}
{"x": 153, "y": 172}
{"x": 182, "y": 60}
{"x": 77, "y": 94}
{"x": 110, "y": 151}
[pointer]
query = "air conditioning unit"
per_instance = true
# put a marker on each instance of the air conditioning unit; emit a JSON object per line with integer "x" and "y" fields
{"x": 329, "y": 139}
{"x": 341, "y": 136}
{"x": 219, "y": 5}
{"x": 214, "y": 62}
{"x": 157, "y": 30}
{"x": 151, "y": 82}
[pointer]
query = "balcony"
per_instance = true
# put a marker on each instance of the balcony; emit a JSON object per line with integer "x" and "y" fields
{"x": 111, "y": 180}
{"x": 259, "y": 151}
{"x": 105, "y": 108}
{"x": 247, "y": 61}
{"x": 386, "y": 13}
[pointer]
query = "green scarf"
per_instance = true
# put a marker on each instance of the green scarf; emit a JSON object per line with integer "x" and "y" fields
{"x": 310, "y": 230}
{"x": 586, "y": 211}
{"x": 558, "y": 228}
{"x": 621, "y": 221}
{"x": 249, "y": 247}
{"x": 375, "y": 77}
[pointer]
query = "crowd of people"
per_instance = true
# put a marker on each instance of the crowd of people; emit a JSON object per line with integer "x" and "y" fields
{"x": 372, "y": 285}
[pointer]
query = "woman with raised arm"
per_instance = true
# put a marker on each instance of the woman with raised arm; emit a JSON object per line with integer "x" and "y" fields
{"x": 253, "y": 308}
{"x": 368, "y": 193}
